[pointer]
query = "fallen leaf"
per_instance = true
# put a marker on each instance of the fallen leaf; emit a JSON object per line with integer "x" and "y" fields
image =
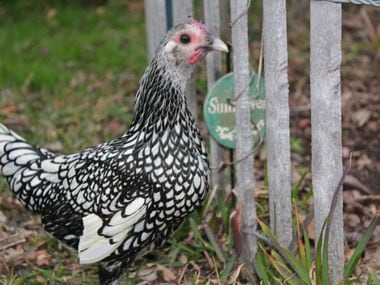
{"x": 54, "y": 146}
{"x": 346, "y": 152}
{"x": 364, "y": 161}
{"x": 17, "y": 122}
{"x": 304, "y": 123}
{"x": 183, "y": 259}
{"x": 196, "y": 266}
{"x": 8, "y": 109}
{"x": 115, "y": 127}
{"x": 372, "y": 258}
{"x": 361, "y": 117}
{"x": 12, "y": 256}
{"x": 100, "y": 10}
{"x": 40, "y": 279}
{"x": 167, "y": 274}
{"x": 148, "y": 274}
{"x": 51, "y": 14}
{"x": 236, "y": 227}
{"x": 348, "y": 252}
{"x": 39, "y": 257}
{"x": 96, "y": 86}
{"x": 351, "y": 220}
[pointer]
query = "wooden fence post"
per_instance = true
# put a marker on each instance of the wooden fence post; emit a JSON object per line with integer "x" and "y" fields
{"x": 211, "y": 10}
{"x": 277, "y": 118}
{"x": 155, "y": 23}
{"x": 325, "y": 60}
{"x": 244, "y": 142}
{"x": 182, "y": 9}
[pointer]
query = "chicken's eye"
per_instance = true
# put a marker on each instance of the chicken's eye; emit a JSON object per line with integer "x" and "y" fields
{"x": 185, "y": 38}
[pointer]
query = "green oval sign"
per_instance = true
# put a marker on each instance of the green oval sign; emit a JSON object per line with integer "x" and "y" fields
{"x": 219, "y": 110}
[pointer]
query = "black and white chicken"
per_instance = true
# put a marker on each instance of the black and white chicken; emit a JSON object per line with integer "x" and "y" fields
{"x": 119, "y": 199}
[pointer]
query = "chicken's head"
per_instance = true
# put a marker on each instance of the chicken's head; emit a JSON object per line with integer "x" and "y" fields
{"x": 189, "y": 43}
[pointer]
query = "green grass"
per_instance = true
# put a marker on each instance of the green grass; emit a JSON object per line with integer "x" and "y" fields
{"x": 75, "y": 38}
{"x": 70, "y": 67}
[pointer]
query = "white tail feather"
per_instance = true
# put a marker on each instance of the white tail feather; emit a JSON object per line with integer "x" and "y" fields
{"x": 94, "y": 247}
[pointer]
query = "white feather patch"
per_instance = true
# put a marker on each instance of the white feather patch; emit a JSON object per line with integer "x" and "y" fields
{"x": 9, "y": 169}
{"x": 168, "y": 50}
{"x": 25, "y": 158}
{"x": 94, "y": 247}
{"x": 49, "y": 166}
{"x": 6, "y": 138}
{"x": 19, "y": 152}
{"x": 17, "y": 145}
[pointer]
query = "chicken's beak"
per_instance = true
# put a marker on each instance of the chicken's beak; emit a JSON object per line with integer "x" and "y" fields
{"x": 218, "y": 45}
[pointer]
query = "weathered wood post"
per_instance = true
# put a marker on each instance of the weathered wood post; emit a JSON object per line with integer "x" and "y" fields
{"x": 155, "y": 23}
{"x": 244, "y": 142}
{"x": 325, "y": 60}
{"x": 182, "y": 10}
{"x": 277, "y": 118}
{"x": 211, "y": 10}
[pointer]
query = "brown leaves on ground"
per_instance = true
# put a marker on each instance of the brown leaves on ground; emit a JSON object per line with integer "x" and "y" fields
{"x": 8, "y": 109}
{"x": 167, "y": 274}
{"x": 40, "y": 257}
{"x": 16, "y": 227}
{"x": 359, "y": 209}
{"x": 25, "y": 246}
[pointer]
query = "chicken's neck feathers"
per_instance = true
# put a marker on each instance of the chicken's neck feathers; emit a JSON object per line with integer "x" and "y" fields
{"x": 160, "y": 99}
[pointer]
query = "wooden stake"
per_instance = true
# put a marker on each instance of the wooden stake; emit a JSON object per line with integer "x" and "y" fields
{"x": 325, "y": 60}
{"x": 244, "y": 142}
{"x": 277, "y": 118}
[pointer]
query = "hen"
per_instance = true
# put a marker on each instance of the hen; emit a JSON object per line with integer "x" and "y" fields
{"x": 117, "y": 200}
